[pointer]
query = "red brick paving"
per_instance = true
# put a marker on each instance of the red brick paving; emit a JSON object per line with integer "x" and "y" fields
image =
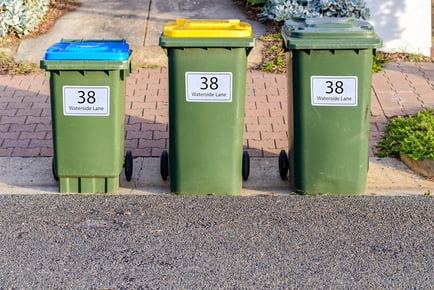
{"x": 25, "y": 123}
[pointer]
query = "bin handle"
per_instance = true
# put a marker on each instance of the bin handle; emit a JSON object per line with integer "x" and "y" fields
{"x": 208, "y": 24}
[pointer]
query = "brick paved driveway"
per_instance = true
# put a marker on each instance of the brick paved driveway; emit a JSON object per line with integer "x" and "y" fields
{"x": 25, "y": 122}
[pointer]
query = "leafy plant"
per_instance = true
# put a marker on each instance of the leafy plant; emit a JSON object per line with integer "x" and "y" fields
{"x": 274, "y": 55}
{"x": 343, "y": 8}
{"x": 21, "y": 16}
{"x": 267, "y": 66}
{"x": 281, "y": 10}
{"x": 412, "y": 135}
{"x": 379, "y": 60}
{"x": 271, "y": 36}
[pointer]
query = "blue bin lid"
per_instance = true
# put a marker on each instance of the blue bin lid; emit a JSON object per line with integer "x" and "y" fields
{"x": 88, "y": 50}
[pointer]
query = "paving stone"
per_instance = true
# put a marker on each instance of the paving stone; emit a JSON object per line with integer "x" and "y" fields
{"x": 25, "y": 113}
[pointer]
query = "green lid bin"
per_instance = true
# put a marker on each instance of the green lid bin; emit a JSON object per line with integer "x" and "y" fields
{"x": 207, "y": 79}
{"x": 87, "y": 92}
{"x": 329, "y": 89}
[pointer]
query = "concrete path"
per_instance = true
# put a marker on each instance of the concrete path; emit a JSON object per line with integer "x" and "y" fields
{"x": 140, "y": 22}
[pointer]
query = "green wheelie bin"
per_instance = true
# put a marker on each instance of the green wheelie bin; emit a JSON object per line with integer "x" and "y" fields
{"x": 329, "y": 89}
{"x": 207, "y": 79}
{"x": 87, "y": 92}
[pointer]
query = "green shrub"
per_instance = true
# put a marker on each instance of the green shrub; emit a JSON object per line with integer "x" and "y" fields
{"x": 412, "y": 136}
{"x": 21, "y": 16}
{"x": 281, "y": 10}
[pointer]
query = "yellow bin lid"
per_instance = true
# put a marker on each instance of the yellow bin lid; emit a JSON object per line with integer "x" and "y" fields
{"x": 208, "y": 28}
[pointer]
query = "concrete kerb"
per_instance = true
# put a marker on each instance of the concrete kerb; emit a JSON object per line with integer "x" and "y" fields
{"x": 386, "y": 177}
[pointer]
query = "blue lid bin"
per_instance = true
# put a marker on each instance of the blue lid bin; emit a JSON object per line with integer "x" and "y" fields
{"x": 88, "y": 50}
{"x": 87, "y": 94}
{"x": 87, "y": 54}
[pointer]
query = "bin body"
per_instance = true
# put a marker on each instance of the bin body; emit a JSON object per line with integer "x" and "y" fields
{"x": 207, "y": 77}
{"x": 87, "y": 94}
{"x": 329, "y": 77}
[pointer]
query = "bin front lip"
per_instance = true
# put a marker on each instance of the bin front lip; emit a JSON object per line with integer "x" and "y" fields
{"x": 102, "y": 65}
{"x": 338, "y": 44}
{"x": 204, "y": 42}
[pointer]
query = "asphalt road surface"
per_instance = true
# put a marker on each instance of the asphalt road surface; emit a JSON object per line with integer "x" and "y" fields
{"x": 163, "y": 241}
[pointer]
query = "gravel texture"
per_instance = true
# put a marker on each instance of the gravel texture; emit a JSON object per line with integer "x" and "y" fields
{"x": 108, "y": 241}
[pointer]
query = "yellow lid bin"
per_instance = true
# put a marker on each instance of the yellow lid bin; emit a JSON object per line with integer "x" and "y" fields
{"x": 207, "y": 63}
{"x": 207, "y": 33}
{"x": 207, "y": 28}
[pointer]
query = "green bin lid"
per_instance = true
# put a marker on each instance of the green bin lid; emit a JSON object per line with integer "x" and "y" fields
{"x": 329, "y": 33}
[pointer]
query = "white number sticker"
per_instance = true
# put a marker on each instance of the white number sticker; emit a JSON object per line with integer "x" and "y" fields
{"x": 334, "y": 90}
{"x": 86, "y": 101}
{"x": 208, "y": 86}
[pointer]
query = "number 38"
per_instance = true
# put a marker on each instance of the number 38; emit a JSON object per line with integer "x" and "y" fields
{"x": 89, "y": 97}
{"x": 337, "y": 87}
{"x": 212, "y": 83}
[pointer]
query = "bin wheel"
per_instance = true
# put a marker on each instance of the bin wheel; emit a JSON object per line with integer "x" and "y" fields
{"x": 283, "y": 164}
{"x": 246, "y": 165}
{"x": 164, "y": 165}
{"x": 128, "y": 165}
{"x": 53, "y": 169}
